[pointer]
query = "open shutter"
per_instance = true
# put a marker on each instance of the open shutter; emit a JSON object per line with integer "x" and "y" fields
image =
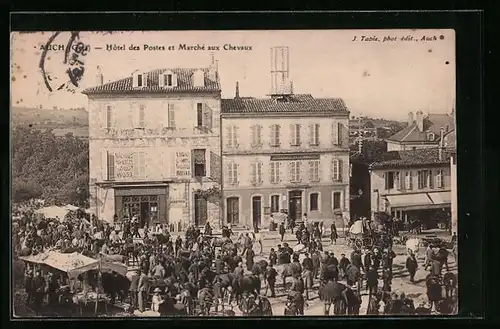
{"x": 386, "y": 176}
{"x": 411, "y": 180}
{"x": 174, "y": 80}
{"x": 278, "y": 134}
{"x": 236, "y": 130}
{"x": 291, "y": 171}
{"x": 135, "y": 79}
{"x": 335, "y": 134}
{"x": 271, "y": 135}
{"x": 259, "y": 172}
{"x": 253, "y": 169}
{"x": 229, "y": 134}
{"x": 144, "y": 80}
{"x": 207, "y": 116}
{"x": 161, "y": 80}
{"x": 344, "y": 135}
{"x": 229, "y": 172}
{"x": 311, "y": 171}
{"x": 111, "y": 166}
{"x": 104, "y": 165}
{"x": 311, "y": 134}
{"x": 271, "y": 172}
{"x": 292, "y": 134}
{"x": 279, "y": 171}
{"x": 259, "y": 136}
{"x": 431, "y": 179}
{"x": 320, "y": 171}
{"x": 299, "y": 171}
{"x": 340, "y": 134}
{"x": 341, "y": 170}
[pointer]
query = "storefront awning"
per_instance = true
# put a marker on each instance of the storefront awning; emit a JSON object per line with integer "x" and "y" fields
{"x": 404, "y": 200}
{"x": 440, "y": 198}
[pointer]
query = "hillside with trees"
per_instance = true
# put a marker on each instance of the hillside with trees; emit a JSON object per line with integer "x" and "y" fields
{"x": 53, "y": 169}
{"x": 49, "y": 118}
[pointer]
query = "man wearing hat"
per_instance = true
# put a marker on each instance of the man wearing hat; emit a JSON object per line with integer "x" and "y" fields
{"x": 28, "y": 285}
{"x": 38, "y": 289}
{"x": 307, "y": 266}
{"x": 157, "y": 300}
{"x": 133, "y": 289}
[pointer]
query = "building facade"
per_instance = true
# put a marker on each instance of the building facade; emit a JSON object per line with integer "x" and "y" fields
{"x": 154, "y": 146}
{"x": 423, "y": 131}
{"x": 287, "y": 154}
{"x": 413, "y": 185}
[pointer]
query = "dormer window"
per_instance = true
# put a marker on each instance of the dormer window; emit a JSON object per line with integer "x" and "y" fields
{"x": 199, "y": 78}
{"x": 167, "y": 79}
{"x": 139, "y": 79}
{"x": 431, "y": 137}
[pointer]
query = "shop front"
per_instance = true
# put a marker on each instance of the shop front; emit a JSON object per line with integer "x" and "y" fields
{"x": 149, "y": 204}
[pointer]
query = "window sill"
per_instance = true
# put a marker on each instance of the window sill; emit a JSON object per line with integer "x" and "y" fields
{"x": 274, "y": 145}
{"x": 315, "y": 144}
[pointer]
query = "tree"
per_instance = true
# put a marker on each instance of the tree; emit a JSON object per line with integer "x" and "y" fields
{"x": 54, "y": 169}
{"x": 369, "y": 124}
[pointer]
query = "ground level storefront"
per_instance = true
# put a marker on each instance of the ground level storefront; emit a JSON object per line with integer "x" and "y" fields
{"x": 254, "y": 206}
{"x": 176, "y": 204}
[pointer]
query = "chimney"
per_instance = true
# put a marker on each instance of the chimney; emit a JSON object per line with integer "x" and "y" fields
{"x": 410, "y": 119}
{"x": 99, "y": 77}
{"x": 441, "y": 143}
{"x": 291, "y": 87}
{"x": 212, "y": 69}
{"x": 420, "y": 121}
{"x": 237, "y": 94}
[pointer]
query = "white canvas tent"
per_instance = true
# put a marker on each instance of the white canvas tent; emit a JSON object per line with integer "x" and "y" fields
{"x": 357, "y": 227}
{"x": 71, "y": 207}
{"x": 53, "y": 212}
{"x": 74, "y": 264}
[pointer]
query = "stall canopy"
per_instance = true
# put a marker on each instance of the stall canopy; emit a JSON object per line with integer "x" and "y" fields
{"x": 75, "y": 264}
{"x": 357, "y": 227}
{"x": 53, "y": 212}
{"x": 71, "y": 207}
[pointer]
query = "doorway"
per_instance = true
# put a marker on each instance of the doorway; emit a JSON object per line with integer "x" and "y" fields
{"x": 295, "y": 205}
{"x": 200, "y": 210}
{"x": 256, "y": 211}
{"x": 233, "y": 210}
{"x": 144, "y": 214}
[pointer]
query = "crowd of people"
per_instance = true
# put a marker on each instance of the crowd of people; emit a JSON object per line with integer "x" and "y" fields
{"x": 194, "y": 272}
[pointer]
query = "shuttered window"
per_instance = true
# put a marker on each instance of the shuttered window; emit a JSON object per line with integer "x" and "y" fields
{"x": 232, "y": 137}
{"x": 111, "y": 166}
{"x": 439, "y": 178}
{"x": 408, "y": 180}
{"x": 256, "y": 168}
{"x": 274, "y": 172}
{"x": 232, "y": 173}
{"x": 171, "y": 116}
{"x": 295, "y": 134}
{"x": 256, "y": 135}
{"x": 337, "y": 170}
{"x": 141, "y": 123}
{"x": 275, "y": 136}
{"x": 314, "y": 134}
{"x": 314, "y": 171}
{"x": 295, "y": 175}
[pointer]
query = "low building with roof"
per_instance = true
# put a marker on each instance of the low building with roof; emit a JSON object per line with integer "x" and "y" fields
{"x": 422, "y": 131}
{"x": 285, "y": 154}
{"x": 411, "y": 185}
{"x": 154, "y": 146}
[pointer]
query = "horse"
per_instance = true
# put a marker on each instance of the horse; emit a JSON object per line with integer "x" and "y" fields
{"x": 260, "y": 268}
{"x": 287, "y": 270}
{"x": 232, "y": 261}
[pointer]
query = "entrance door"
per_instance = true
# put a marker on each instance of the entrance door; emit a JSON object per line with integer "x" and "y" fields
{"x": 295, "y": 205}
{"x": 145, "y": 215}
{"x": 233, "y": 210}
{"x": 256, "y": 210}
{"x": 200, "y": 210}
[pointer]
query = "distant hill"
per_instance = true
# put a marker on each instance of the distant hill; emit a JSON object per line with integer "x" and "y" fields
{"x": 49, "y": 118}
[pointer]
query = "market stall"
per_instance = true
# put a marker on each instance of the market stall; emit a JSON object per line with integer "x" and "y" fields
{"x": 84, "y": 290}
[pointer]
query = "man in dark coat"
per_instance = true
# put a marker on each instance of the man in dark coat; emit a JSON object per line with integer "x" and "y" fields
{"x": 367, "y": 260}
{"x": 411, "y": 266}
{"x": 298, "y": 287}
{"x": 249, "y": 257}
{"x": 316, "y": 262}
{"x": 307, "y": 274}
{"x": 133, "y": 288}
{"x": 219, "y": 264}
{"x": 282, "y": 231}
{"x": 356, "y": 259}
{"x": 271, "y": 279}
{"x": 343, "y": 262}
{"x": 273, "y": 257}
{"x": 39, "y": 286}
{"x": 372, "y": 281}
{"x": 28, "y": 286}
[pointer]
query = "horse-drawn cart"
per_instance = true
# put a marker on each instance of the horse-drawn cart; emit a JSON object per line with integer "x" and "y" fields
{"x": 358, "y": 238}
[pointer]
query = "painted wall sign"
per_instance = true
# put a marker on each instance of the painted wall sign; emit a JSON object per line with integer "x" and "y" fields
{"x": 182, "y": 163}
{"x": 124, "y": 165}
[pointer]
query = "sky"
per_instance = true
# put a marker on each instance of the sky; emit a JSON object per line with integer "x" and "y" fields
{"x": 381, "y": 79}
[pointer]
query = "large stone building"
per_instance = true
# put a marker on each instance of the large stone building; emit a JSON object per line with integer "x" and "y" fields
{"x": 154, "y": 146}
{"x": 288, "y": 153}
{"x": 423, "y": 132}
{"x": 413, "y": 185}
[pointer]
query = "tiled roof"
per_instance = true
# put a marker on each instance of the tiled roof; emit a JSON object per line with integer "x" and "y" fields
{"x": 432, "y": 123}
{"x": 418, "y": 157}
{"x": 294, "y": 103}
{"x": 184, "y": 83}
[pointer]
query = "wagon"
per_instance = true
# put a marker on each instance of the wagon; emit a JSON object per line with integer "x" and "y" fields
{"x": 357, "y": 238}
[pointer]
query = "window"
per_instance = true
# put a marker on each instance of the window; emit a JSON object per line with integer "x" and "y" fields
{"x": 199, "y": 114}
{"x": 408, "y": 180}
{"x": 257, "y": 172}
{"x": 232, "y": 173}
{"x": 397, "y": 180}
{"x": 232, "y": 137}
{"x": 314, "y": 171}
{"x": 431, "y": 179}
{"x": 275, "y": 203}
{"x": 295, "y": 172}
{"x": 199, "y": 162}
{"x": 431, "y": 137}
{"x": 314, "y": 134}
{"x": 141, "y": 117}
{"x": 423, "y": 179}
{"x": 335, "y": 134}
{"x": 313, "y": 202}
{"x": 337, "y": 170}
{"x": 109, "y": 116}
{"x": 295, "y": 131}
{"x": 392, "y": 180}
{"x": 337, "y": 200}
{"x": 139, "y": 164}
{"x": 111, "y": 166}
{"x": 171, "y": 116}
{"x": 274, "y": 172}
{"x": 139, "y": 80}
{"x": 167, "y": 80}
{"x": 439, "y": 178}
{"x": 256, "y": 135}
{"x": 275, "y": 135}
